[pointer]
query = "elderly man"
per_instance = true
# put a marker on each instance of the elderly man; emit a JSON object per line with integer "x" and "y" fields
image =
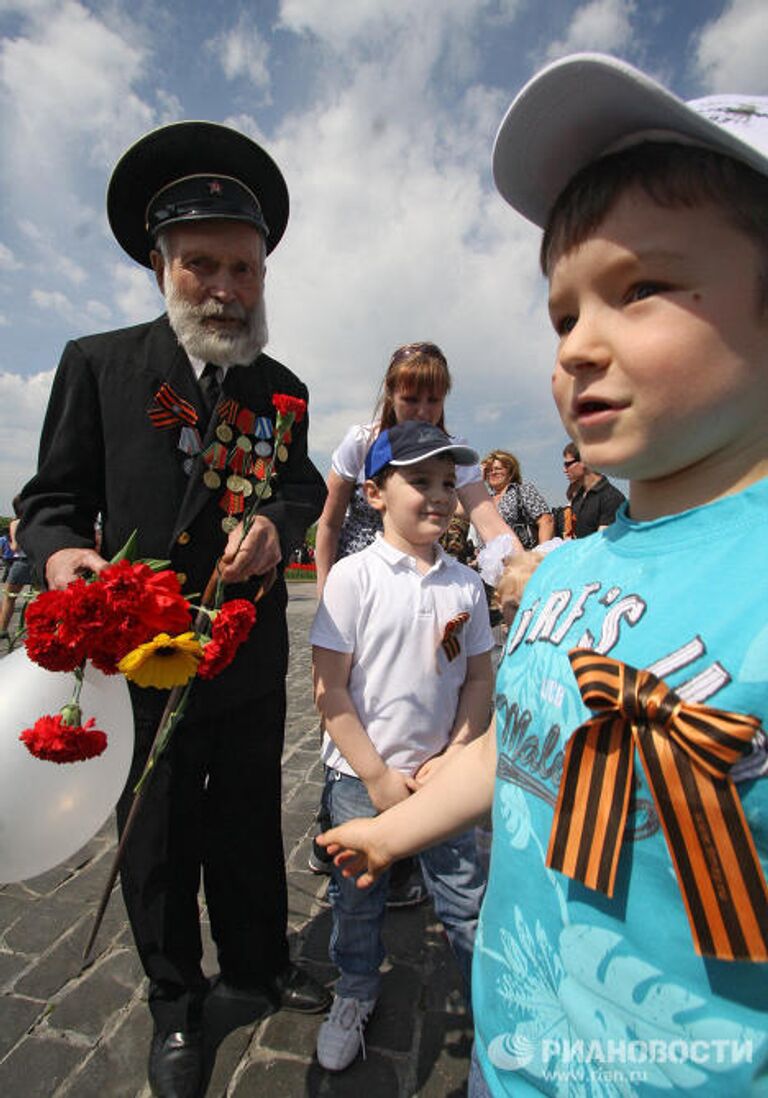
{"x": 147, "y": 427}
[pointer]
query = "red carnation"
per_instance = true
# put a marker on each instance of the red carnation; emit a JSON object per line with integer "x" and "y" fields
{"x": 151, "y": 599}
{"x": 52, "y": 739}
{"x": 231, "y": 626}
{"x": 138, "y": 604}
{"x": 46, "y": 643}
{"x": 289, "y": 405}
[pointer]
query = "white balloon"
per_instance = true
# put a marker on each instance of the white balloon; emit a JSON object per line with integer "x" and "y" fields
{"x": 49, "y": 810}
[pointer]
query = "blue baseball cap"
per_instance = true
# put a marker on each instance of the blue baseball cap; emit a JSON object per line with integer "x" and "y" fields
{"x": 410, "y": 442}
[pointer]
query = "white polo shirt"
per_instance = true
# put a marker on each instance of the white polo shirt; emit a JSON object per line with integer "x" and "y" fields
{"x": 405, "y": 688}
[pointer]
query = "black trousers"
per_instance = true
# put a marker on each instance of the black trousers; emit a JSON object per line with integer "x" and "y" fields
{"x": 212, "y": 808}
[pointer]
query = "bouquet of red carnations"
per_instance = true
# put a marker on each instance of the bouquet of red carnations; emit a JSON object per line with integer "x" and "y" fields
{"x": 131, "y": 618}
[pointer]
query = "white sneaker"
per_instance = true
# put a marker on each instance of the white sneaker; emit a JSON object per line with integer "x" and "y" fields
{"x": 341, "y": 1034}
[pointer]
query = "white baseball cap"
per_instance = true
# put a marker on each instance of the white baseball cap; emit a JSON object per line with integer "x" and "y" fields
{"x": 588, "y": 105}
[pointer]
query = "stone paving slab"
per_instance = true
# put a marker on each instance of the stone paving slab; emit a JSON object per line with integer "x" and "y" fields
{"x": 67, "y": 1033}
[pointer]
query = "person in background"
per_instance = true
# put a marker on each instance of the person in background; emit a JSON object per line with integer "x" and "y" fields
{"x": 518, "y": 502}
{"x": 6, "y": 553}
{"x": 593, "y": 500}
{"x": 415, "y": 386}
{"x": 398, "y": 613}
{"x": 18, "y": 576}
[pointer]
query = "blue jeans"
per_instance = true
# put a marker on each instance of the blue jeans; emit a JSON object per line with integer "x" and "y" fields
{"x": 453, "y": 878}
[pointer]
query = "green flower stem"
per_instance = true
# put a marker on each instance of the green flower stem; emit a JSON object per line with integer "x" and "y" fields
{"x": 71, "y": 713}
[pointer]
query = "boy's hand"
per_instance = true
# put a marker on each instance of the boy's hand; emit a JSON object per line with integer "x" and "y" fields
{"x": 509, "y": 590}
{"x": 389, "y": 788}
{"x": 356, "y": 850}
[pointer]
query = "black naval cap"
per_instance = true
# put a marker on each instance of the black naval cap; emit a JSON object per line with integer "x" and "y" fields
{"x": 194, "y": 171}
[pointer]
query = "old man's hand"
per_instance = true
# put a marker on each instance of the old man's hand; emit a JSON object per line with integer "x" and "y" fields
{"x": 66, "y": 565}
{"x": 258, "y": 553}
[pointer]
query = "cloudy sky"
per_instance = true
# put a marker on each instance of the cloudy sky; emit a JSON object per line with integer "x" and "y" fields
{"x": 381, "y": 114}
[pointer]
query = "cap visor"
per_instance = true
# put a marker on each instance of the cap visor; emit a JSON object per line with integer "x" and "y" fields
{"x": 572, "y": 112}
{"x": 462, "y": 455}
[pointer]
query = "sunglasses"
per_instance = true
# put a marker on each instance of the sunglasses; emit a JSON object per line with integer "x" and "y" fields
{"x": 572, "y": 461}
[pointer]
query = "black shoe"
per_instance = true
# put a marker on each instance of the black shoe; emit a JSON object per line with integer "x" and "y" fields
{"x": 226, "y": 1007}
{"x": 294, "y": 989}
{"x": 176, "y": 1065}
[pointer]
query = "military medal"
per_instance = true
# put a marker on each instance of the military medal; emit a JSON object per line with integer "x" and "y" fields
{"x": 189, "y": 441}
{"x": 245, "y": 420}
{"x": 239, "y": 458}
{"x": 236, "y": 484}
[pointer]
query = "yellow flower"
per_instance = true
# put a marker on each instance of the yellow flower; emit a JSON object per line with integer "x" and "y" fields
{"x": 164, "y": 661}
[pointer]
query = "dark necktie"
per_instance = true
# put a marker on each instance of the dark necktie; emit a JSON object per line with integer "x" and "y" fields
{"x": 210, "y": 386}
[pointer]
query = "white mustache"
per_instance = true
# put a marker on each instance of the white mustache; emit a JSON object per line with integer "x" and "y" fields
{"x": 232, "y": 310}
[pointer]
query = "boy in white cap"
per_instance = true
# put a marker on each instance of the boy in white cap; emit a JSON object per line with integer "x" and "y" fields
{"x": 401, "y": 647}
{"x": 623, "y": 937}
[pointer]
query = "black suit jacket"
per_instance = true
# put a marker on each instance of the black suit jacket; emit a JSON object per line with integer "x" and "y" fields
{"x": 101, "y": 453}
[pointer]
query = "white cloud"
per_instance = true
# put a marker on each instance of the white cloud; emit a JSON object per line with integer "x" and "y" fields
{"x": 68, "y": 103}
{"x": 604, "y": 25}
{"x": 135, "y": 293}
{"x": 395, "y": 234}
{"x": 23, "y": 402}
{"x": 54, "y": 300}
{"x": 242, "y": 52}
{"x": 49, "y": 260}
{"x": 8, "y": 261}
{"x": 86, "y": 315}
{"x": 731, "y": 50}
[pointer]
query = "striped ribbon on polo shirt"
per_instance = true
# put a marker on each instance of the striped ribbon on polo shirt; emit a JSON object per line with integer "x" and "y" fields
{"x": 686, "y": 751}
{"x": 450, "y": 643}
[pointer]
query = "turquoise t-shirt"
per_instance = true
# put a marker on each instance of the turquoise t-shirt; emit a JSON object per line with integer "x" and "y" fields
{"x": 575, "y": 993}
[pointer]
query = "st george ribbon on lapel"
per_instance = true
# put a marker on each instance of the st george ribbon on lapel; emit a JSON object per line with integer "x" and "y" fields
{"x": 210, "y": 386}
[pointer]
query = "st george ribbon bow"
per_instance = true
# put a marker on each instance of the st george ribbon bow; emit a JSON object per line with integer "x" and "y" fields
{"x": 687, "y": 752}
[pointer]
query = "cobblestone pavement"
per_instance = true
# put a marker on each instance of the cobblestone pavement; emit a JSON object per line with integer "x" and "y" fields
{"x": 71, "y": 1034}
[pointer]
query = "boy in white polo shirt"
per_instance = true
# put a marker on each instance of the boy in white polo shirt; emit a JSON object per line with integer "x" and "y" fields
{"x": 401, "y": 647}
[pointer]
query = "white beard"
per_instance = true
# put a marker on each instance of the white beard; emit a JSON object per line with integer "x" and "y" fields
{"x": 222, "y": 348}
